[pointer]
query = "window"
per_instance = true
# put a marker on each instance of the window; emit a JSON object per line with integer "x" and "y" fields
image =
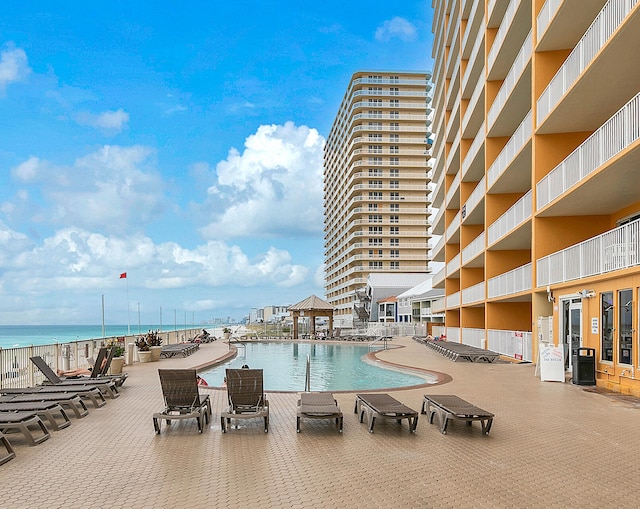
{"x": 375, "y": 195}
{"x": 394, "y": 149}
{"x": 394, "y": 91}
{"x": 394, "y": 184}
{"x": 375, "y": 172}
{"x": 375, "y": 126}
{"x": 375, "y": 265}
{"x": 375, "y": 218}
{"x": 375, "y": 113}
{"x": 375, "y": 90}
{"x": 394, "y": 103}
{"x": 394, "y": 172}
{"x": 394, "y": 253}
{"x": 375, "y": 149}
{"x": 394, "y": 137}
{"x": 394, "y": 207}
{"x": 373, "y": 206}
{"x": 394, "y": 265}
{"x": 607, "y": 326}
{"x": 375, "y": 184}
{"x": 375, "y": 252}
{"x": 625, "y": 326}
{"x": 394, "y": 161}
{"x": 394, "y": 242}
{"x": 375, "y": 102}
{"x": 394, "y": 196}
{"x": 394, "y": 114}
{"x": 394, "y": 219}
{"x": 375, "y": 242}
{"x": 394, "y": 79}
{"x": 394, "y": 126}
{"x": 375, "y": 230}
{"x": 375, "y": 160}
{"x": 394, "y": 230}
{"x": 375, "y": 137}
{"x": 373, "y": 78}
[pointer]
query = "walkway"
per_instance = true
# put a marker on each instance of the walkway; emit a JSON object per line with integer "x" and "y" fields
{"x": 552, "y": 445}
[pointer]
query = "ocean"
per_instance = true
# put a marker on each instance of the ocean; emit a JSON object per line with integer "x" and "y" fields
{"x": 12, "y": 336}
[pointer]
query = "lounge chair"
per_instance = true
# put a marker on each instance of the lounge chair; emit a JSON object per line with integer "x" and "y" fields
{"x": 103, "y": 372}
{"x": 22, "y": 421}
{"x": 106, "y": 386}
{"x": 384, "y": 406}
{"x": 318, "y": 405}
{"x": 93, "y": 394}
{"x": 7, "y": 445}
{"x": 44, "y": 409}
{"x": 452, "y": 407}
{"x": 67, "y": 401}
{"x": 246, "y": 397}
{"x": 182, "y": 398}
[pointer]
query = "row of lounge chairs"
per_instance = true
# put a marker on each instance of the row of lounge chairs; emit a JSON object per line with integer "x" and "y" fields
{"x": 33, "y": 411}
{"x": 183, "y": 349}
{"x": 455, "y": 351}
{"x": 247, "y": 400}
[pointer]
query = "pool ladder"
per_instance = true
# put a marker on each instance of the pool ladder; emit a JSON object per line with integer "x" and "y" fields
{"x": 307, "y": 378}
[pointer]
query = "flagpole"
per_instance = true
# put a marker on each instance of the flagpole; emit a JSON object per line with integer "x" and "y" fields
{"x": 128, "y": 310}
{"x": 103, "y": 315}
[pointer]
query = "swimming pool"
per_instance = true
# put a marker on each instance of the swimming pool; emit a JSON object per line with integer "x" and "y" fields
{"x": 334, "y": 367}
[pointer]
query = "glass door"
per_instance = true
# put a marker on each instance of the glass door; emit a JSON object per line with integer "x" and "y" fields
{"x": 572, "y": 329}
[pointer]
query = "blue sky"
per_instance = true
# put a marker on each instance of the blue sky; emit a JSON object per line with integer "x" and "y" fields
{"x": 179, "y": 142}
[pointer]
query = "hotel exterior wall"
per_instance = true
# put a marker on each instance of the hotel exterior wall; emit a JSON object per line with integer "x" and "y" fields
{"x": 592, "y": 206}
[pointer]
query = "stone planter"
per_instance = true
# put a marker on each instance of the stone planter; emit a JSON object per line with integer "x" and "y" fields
{"x": 155, "y": 353}
{"x": 116, "y": 365}
{"x": 144, "y": 356}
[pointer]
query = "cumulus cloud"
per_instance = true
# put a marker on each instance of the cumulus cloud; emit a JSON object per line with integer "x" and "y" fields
{"x": 396, "y": 27}
{"x": 113, "y": 189}
{"x": 273, "y": 187}
{"x": 14, "y": 66}
{"x": 108, "y": 121}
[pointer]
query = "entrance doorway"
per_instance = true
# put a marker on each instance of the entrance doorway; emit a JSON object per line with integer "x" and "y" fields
{"x": 571, "y": 328}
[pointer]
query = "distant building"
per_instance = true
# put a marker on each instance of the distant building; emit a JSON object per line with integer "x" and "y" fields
{"x": 380, "y": 287}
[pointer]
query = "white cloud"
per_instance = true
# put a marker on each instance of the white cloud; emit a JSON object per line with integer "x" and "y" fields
{"x": 273, "y": 187}
{"x": 14, "y": 66}
{"x": 109, "y": 121}
{"x": 396, "y": 27}
{"x": 113, "y": 189}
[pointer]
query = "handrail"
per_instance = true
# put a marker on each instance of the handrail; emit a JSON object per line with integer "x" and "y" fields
{"x": 307, "y": 378}
{"x": 384, "y": 340}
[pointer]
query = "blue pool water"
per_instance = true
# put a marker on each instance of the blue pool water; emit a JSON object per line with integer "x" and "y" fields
{"x": 334, "y": 367}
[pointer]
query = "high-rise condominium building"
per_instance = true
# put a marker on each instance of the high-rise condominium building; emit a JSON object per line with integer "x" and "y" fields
{"x": 537, "y": 115}
{"x": 377, "y": 194}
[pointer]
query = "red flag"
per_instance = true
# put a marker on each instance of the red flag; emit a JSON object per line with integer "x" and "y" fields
{"x": 123, "y": 275}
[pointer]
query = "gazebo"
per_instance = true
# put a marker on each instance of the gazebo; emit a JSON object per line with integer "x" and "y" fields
{"x": 311, "y": 307}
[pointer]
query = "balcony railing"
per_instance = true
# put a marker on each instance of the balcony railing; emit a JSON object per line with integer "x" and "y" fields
{"x": 453, "y": 226}
{"x": 502, "y": 32}
{"x": 473, "y": 294}
{"x": 474, "y": 198}
{"x": 615, "y": 135}
{"x": 515, "y": 281}
{"x": 474, "y": 247}
{"x": 519, "y": 212}
{"x": 473, "y": 337}
{"x": 511, "y": 149}
{"x": 545, "y": 16}
{"x": 511, "y": 343}
{"x": 600, "y": 31}
{"x": 613, "y": 250}
{"x": 453, "y": 300}
{"x": 473, "y": 150}
{"x": 438, "y": 306}
{"x": 519, "y": 65}
{"x": 453, "y": 265}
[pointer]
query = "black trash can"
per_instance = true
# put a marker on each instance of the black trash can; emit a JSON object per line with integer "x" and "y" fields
{"x": 583, "y": 366}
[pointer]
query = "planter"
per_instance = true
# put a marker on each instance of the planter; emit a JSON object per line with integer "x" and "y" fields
{"x": 226, "y": 335}
{"x": 155, "y": 353}
{"x": 116, "y": 365}
{"x": 144, "y": 356}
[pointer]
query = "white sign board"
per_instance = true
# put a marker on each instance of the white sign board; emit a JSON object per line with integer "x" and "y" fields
{"x": 594, "y": 325}
{"x": 551, "y": 363}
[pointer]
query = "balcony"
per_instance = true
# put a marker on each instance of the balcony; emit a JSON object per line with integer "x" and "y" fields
{"x": 515, "y": 281}
{"x": 593, "y": 70}
{"x": 473, "y": 294}
{"x": 512, "y": 230}
{"x": 614, "y": 250}
{"x": 473, "y": 164}
{"x": 511, "y": 171}
{"x": 561, "y": 23}
{"x": 584, "y": 182}
{"x": 453, "y": 300}
{"x": 513, "y": 30}
{"x": 453, "y": 230}
{"x": 471, "y": 254}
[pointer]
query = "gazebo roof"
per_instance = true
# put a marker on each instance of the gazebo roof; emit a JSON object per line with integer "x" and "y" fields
{"x": 312, "y": 303}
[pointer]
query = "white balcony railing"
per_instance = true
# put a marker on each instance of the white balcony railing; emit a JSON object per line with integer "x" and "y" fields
{"x": 510, "y": 150}
{"x": 511, "y": 343}
{"x": 613, "y": 250}
{"x": 473, "y": 150}
{"x": 474, "y": 247}
{"x": 438, "y": 277}
{"x": 455, "y": 186}
{"x": 515, "y": 281}
{"x": 502, "y": 32}
{"x": 473, "y": 294}
{"x": 475, "y": 197}
{"x": 438, "y": 306}
{"x": 453, "y": 300}
{"x": 453, "y": 226}
{"x": 453, "y": 265}
{"x": 519, "y": 65}
{"x": 545, "y": 16}
{"x": 612, "y": 137}
{"x": 473, "y": 337}
{"x": 606, "y": 23}
{"x": 519, "y": 212}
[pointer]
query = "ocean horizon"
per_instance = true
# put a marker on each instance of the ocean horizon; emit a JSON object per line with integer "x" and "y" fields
{"x": 16, "y": 336}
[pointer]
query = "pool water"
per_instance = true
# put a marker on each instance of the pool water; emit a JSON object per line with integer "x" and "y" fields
{"x": 334, "y": 367}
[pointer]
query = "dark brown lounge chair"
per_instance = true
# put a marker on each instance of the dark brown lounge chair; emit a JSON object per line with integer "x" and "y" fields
{"x": 21, "y": 421}
{"x": 384, "y": 406}
{"x": 93, "y": 394}
{"x": 182, "y": 399}
{"x": 68, "y": 401}
{"x": 452, "y": 407}
{"x": 318, "y": 405}
{"x": 246, "y": 397}
{"x": 45, "y": 410}
{"x": 10, "y": 454}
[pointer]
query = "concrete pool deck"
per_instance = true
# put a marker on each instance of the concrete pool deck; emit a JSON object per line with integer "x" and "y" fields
{"x": 551, "y": 445}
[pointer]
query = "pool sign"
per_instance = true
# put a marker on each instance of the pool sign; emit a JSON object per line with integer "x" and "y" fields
{"x": 551, "y": 363}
